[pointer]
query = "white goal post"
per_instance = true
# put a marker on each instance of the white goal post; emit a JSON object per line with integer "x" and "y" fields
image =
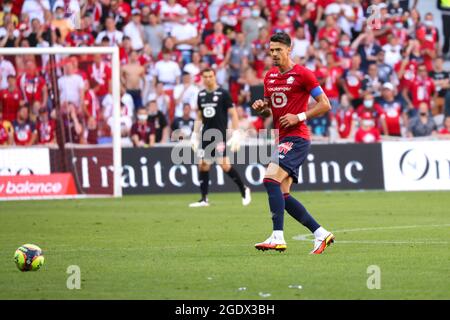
{"x": 115, "y": 68}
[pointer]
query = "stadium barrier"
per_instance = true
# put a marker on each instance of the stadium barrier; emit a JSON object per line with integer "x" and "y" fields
{"x": 22, "y": 161}
{"x": 392, "y": 166}
{"x": 151, "y": 171}
{"x": 416, "y": 165}
{"x": 37, "y": 186}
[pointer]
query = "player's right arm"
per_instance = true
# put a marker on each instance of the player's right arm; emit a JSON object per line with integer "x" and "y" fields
{"x": 262, "y": 107}
{"x": 196, "y": 131}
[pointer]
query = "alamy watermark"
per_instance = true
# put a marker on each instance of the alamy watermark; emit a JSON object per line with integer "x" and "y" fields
{"x": 74, "y": 279}
{"x": 374, "y": 279}
{"x": 374, "y": 19}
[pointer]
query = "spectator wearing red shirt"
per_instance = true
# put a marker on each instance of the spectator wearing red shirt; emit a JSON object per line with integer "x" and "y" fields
{"x": 10, "y": 99}
{"x": 32, "y": 86}
{"x": 345, "y": 118}
{"x": 291, "y": 11}
{"x": 283, "y": 24}
{"x": 92, "y": 104}
{"x": 169, "y": 47}
{"x": 230, "y": 16}
{"x": 81, "y": 37}
{"x": 394, "y": 114}
{"x": 330, "y": 31}
{"x": 352, "y": 79}
{"x": 125, "y": 49}
{"x": 367, "y": 132}
{"x": 25, "y": 133}
{"x": 428, "y": 35}
{"x": 374, "y": 109}
{"x": 195, "y": 18}
{"x": 100, "y": 76}
{"x": 333, "y": 75}
{"x": 260, "y": 48}
{"x": 46, "y": 127}
{"x": 218, "y": 46}
{"x": 170, "y": 12}
{"x": 399, "y": 32}
{"x": 420, "y": 90}
{"x": 142, "y": 131}
{"x": 122, "y": 12}
{"x": 406, "y": 69}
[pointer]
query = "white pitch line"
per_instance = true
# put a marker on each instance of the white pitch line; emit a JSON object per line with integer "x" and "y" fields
{"x": 307, "y": 237}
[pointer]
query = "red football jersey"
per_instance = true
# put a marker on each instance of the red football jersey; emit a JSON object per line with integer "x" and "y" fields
{"x": 409, "y": 74}
{"x": 46, "y": 131}
{"x": 10, "y": 101}
{"x": 23, "y": 132}
{"x": 31, "y": 87}
{"x": 92, "y": 103}
{"x": 376, "y": 111}
{"x": 101, "y": 75}
{"x": 421, "y": 91}
{"x": 370, "y": 136}
{"x": 331, "y": 83}
{"x": 289, "y": 92}
{"x": 392, "y": 115}
{"x": 219, "y": 44}
{"x": 344, "y": 120}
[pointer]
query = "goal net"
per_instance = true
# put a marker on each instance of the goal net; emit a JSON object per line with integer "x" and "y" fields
{"x": 60, "y": 123}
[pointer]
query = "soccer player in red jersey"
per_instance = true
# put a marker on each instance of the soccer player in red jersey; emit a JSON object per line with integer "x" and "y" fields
{"x": 287, "y": 88}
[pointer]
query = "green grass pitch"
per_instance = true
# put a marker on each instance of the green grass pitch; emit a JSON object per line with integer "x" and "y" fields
{"x": 155, "y": 247}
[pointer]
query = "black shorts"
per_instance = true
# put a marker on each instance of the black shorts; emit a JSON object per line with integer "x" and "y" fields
{"x": 211, "y": 150}
{"x": 290, "y": 155}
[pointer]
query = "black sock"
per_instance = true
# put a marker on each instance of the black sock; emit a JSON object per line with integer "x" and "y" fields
{"x": 204, "y": 184}
{"x": 234, "y": 175}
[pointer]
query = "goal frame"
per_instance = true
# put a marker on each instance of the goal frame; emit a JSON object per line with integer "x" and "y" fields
{"x": 115, "y": 78}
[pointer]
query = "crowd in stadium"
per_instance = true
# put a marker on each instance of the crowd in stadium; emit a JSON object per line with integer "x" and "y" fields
{"x": 382, "y": 68}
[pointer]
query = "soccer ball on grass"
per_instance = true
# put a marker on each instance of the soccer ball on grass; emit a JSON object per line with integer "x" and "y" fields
{"x": 29, "y": 258}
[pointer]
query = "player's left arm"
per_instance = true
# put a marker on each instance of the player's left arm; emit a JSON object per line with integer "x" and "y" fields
{"x": 321, "y": 107}
{"x": 234, "y": 142}
{"x": 232, "y": 112}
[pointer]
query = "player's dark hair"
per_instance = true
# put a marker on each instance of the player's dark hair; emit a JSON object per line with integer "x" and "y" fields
{"x": 208, "y": 70}
{"x": 281, "y": 37}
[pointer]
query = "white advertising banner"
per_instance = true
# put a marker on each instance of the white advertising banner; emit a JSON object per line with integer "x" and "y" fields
{"x": 24, "y": 161}
{"x": 416, "y": 165}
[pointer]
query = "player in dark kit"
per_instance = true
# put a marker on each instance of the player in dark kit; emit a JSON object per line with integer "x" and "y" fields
{"x": 287, "y": 88}
{"x": 214, "y": 106}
